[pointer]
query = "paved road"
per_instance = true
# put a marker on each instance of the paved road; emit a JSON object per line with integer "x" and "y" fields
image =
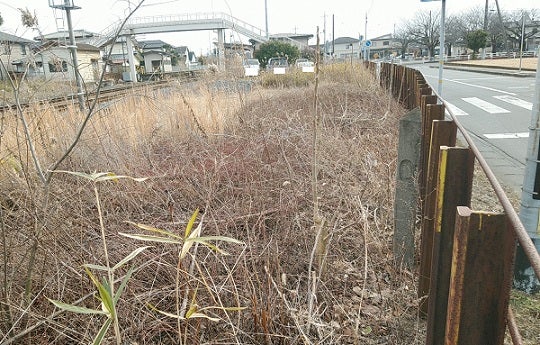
{"x": 496, "y": 109}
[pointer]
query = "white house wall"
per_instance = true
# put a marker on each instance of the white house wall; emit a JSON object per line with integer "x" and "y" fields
{"x": 89, "y": 64}
{"x": 165, "y": 62}
{"x": 9, "y": 54}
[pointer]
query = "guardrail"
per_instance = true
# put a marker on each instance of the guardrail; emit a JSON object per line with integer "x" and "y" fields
{"x": 467, "y": 256}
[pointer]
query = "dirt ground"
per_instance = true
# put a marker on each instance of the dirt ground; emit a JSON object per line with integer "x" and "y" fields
{"x": 526, "y": 63}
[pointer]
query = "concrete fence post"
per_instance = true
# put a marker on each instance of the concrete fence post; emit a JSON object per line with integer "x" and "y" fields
{"x": 406, "y": 195}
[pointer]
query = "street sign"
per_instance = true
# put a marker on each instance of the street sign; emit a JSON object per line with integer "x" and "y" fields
{"x": 367, "y": 43}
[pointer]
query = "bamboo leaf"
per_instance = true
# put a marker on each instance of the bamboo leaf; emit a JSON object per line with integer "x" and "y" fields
{"x": 152, "y": 229}
{"x": 150, "y": 238}
{"x": 112, "y": 176}
{"x": 101, "y": 176}
{"x": 201, "y": 315}
{"x": 192, "y": 309}
{"x": 122, "y": 286}
{"x": 224, "y": 308}
{"x": 215, "y": 238}
{"x": 193, "y": 315}
{"x": 189, "y": 241}
{"x": 96, "y": 267}
{"x": 211, "y": 246}
{"x": 106, "y": 299}
{"x": 95, "y": 281}
{"x": 189, "y": 225}
{"x": 174, "y": 316}
{"x": 130, "y": 257}
{"x": 76, "y": 173}
{"x": 101, "y": 334}
{"x": 75, "y": 309}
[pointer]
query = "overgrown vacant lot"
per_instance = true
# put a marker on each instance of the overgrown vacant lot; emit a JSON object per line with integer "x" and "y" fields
{"x": 247, "y": 162}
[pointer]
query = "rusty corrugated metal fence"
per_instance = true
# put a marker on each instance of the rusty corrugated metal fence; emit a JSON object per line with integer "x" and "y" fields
{"x": 467, "y": 256}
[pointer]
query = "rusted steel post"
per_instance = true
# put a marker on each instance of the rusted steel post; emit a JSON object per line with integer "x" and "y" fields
{"x": 443, "y": 134}
{"x": 513, "y": 328}
{"x": 484, "y": 248}
{"x": 454, "y": 188}
{"x": 430, "y": 112}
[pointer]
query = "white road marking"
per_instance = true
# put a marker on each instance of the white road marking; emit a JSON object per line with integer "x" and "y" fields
{"x": 515, "y": 101}
{"x": 455, "y": 110}
{"x": 507, "y": 135}
{"x": 518, "y": 87}
{"x": 486, "y": 106}
{"x": 481, "y": 87}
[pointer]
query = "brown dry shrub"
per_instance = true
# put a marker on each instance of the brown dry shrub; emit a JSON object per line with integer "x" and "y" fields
{"x": 245, "y": 161}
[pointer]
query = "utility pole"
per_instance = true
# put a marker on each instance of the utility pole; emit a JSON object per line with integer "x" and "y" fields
{"x": 522, "y": 39}
{"x": 333, "y": 40}
{"x": 486, "y": 15}
{"x": 504, "y": 27}
{"x": 441, "y": 49}
{"x": 486, "y": 9}
{"x": 68, "y": 6}
{"x": 324, "y": 37}
{"x": 266, "y": 16}
{"x": 524, "y": 276}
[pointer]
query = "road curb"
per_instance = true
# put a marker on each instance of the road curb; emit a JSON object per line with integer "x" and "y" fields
{"x": 506, "y": 72}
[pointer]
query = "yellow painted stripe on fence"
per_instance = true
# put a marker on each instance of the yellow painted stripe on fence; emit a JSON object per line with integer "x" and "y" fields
{"x": 440, "y": 188}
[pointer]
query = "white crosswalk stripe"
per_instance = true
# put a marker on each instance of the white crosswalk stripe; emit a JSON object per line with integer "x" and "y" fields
{"x": 515, "y": 101}
{"x": 486, "y": 106}
{"x": 455, "y": 110}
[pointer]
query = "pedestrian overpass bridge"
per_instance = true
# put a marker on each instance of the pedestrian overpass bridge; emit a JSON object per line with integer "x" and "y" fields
{"x": 179, "y": 23}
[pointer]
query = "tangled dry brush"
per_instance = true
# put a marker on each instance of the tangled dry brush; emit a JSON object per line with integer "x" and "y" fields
{"x": 245, "y": 160}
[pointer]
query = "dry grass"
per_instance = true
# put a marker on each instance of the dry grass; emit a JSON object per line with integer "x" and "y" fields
{"x": 245, "y": 160}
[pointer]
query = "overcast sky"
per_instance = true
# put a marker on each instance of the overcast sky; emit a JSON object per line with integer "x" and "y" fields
{"x": 284, "y": 16}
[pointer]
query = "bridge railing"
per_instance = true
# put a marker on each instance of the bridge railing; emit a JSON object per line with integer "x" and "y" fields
{"x": 184, "y": 18}
{"x": 467, "y": 256}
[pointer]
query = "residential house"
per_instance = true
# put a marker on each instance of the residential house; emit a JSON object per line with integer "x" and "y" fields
{"x": 52, "y": 60}
{"x": 384, "y": 46}
{"x": 12, "y": 48}
{"x": 237, "y": 49}
{"x": 298, "y": 40}
{"x": 117, "y": 58}
{"x": 80, "y": 36}
{"x": 157, "y": 56}
{"x": 186, "y": 58}
{"x": 343, "y": 48}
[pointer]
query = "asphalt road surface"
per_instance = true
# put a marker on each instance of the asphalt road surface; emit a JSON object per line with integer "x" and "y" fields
{"x": 496, "y": 110}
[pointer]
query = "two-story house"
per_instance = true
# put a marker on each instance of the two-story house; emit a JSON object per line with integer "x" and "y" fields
{"x": 116, "y": 55}
{"x": 384, "y": 46}
{"x": 158, "y": 56}
{"x": 52, "y": 61}
{"x": 343, "y": 48}
{"x": 13, "y": 49}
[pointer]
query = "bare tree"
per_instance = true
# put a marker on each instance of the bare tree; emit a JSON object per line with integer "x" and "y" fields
{"x": 403, "y": 37}
{"x": 424, "y": 30}
{"x": 520, "y": 26}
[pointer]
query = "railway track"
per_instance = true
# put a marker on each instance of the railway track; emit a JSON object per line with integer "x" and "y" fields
{"x": 106, "y": 95}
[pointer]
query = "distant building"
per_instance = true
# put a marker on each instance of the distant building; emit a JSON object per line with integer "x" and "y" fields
{"x": 52, "y": 60}
{"x": 13, "y": 48}
{"x": 157, "y": 56}
{"x": 384, "y": 46}
{"x": 298, "y": 40}
{"x": 81, "y": 36}
{"x": 118, "y": 60}
{"x": 343, "y": 48}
